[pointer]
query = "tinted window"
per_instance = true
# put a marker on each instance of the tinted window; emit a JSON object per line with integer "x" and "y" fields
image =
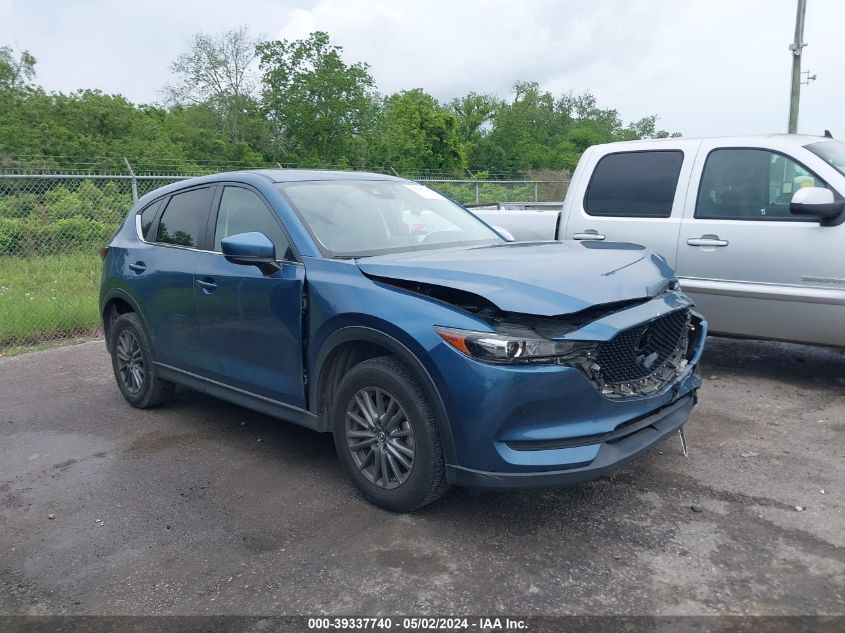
{"x": 750, "y": 184}
{"x": 184, "y": 217}
{"x": 242, "y": 211}
{"x": 634, "y": 184}
{"x": 147, "y": 217}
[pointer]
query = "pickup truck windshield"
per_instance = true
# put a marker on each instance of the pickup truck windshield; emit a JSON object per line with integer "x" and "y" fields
{"x": 832, "y": 152}
{"x": 360, "y": 218}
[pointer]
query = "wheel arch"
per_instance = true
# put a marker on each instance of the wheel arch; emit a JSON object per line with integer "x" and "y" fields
{"x": 122, "y": 302}
{"x": 350, "y": 345}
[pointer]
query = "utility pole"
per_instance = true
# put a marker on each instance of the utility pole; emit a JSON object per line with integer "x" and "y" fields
{"x": 796, "y": 47}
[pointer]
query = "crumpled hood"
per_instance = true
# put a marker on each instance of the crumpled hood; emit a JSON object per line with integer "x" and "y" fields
{"x": 539, "y": 278}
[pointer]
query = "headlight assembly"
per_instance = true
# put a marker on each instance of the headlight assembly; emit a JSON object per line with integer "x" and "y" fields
{"x": 505, "y": 348}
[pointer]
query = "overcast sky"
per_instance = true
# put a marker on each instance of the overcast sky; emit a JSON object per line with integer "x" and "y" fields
{"x": 706, "y": 67}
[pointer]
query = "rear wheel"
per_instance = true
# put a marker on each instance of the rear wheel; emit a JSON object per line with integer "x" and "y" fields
{"x": 132, "y": 364}
{"x": 387, "y": 437}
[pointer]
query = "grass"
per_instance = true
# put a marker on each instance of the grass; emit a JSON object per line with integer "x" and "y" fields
{"x": 46, "y": 298}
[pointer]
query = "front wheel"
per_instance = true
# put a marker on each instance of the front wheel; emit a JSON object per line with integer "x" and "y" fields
{"x": 387, "y": 437}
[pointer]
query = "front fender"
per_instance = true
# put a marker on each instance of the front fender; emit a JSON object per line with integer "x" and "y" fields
{"x": 399, "y": 343}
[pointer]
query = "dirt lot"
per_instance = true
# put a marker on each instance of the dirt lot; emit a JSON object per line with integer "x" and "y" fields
{"x": 202, "y": 507}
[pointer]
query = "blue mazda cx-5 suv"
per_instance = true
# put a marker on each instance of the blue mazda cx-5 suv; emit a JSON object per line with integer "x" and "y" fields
{"x": 435, "y": 351}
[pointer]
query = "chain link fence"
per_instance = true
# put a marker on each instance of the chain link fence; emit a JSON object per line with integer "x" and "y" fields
{"x": 53, "y": 225}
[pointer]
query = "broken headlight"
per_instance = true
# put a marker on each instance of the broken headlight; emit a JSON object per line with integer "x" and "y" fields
{"x": 506, "y": 348}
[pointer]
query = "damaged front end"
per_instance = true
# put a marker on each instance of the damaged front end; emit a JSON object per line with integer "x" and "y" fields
{"x": 627, "y": 348}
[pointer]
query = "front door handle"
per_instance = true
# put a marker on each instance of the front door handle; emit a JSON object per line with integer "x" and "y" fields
{"x": 137, "y": 267}
{"x": 589, "y": 234}
{"x": 707, "y": 240}
{"x": 207, "y": 284}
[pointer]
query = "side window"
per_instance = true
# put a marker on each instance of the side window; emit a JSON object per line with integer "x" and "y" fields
{"x": 750, "y": 184}
{"x": 184, "y": 218}
{"x": 635, "y": 184}
{"x": 148, "y": 214}
{"x": 242, "y": 211}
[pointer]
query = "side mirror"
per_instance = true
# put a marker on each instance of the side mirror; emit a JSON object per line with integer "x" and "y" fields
{"x": 251, "y": 249}
{"x": 816, "y": 202}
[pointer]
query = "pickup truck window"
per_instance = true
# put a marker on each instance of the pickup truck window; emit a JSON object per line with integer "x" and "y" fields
{"x": 832, "y": 152}
{"x": 634, "y": 184}
{"x": 751, "y": 184}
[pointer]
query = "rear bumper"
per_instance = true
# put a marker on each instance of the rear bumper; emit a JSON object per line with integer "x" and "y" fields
{"x": 613, "y": 452}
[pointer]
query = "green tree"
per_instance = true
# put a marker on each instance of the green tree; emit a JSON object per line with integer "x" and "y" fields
{"x": 524, "y": 130}
{"x": 324, "y": 110}
{"x": 475, "y": 114}
{"x": 419, "y": 134}
{"x": 16, "y": 69}
{"x": 214, "y": 73}
{"x": 312, "y": 108}
{"x": 85, "y": 126}
{"x": 645, "y": 128}
{"x": 198, "y": 133}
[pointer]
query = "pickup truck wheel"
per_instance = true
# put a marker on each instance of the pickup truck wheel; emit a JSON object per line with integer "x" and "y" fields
{"x": 132, "y": 362}
{"x": 387, "y": 437}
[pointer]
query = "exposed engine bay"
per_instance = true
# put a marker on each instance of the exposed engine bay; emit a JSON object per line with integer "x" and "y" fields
{"x": 638, "y": 361}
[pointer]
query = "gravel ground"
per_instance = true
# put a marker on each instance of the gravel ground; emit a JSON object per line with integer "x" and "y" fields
{"x": 201, "y": 507}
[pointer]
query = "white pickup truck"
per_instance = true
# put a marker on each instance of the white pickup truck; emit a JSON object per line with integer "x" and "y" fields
{"x": 754, "y": 226}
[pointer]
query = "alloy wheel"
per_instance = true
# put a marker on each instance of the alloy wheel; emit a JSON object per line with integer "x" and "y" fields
{"x": 130, "y": 362}
{"x": 380, "y": 437}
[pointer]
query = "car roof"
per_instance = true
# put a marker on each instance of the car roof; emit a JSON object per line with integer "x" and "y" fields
{"x": 273, "y": 175}
{"x": 796, "y": 139}
{"x": 299, "y": 175}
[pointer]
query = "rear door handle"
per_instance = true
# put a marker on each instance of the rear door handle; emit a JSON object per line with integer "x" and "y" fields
{"x": 707, "y": 240}
{"x": 589, "y": 234}
{"x": 137, "y": 267}
{"x": 208, "y": 285}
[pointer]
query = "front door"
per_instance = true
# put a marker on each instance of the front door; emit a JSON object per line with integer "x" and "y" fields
{"x": 249, "y": 322}
{"x": 753, "y": 268}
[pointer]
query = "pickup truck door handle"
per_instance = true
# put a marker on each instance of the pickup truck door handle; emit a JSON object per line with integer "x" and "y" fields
{"x": 137, "y": 267}
{"x": 207, "y": 284}
{"x": 589, "y": 234}
{"x": 707, "y": 240}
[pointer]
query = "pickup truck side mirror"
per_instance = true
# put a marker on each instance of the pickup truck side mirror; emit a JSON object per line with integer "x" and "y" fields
{"x": 816, "y": 202}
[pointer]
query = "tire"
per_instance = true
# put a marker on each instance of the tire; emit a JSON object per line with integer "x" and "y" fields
{"x": 389, "y": 440}
{"x": 132, "y": 363}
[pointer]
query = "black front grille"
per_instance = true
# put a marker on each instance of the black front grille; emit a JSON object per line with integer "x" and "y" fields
{"x": 640, "y": 351}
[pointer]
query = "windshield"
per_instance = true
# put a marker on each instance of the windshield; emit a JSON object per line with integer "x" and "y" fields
{"x": 357, "y": 218}
{"x": 832, "y": 152}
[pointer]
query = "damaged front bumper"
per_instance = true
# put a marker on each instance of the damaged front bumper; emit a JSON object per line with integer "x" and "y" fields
{"x": 556, "y": 424}
{"x": 614, "y": 449}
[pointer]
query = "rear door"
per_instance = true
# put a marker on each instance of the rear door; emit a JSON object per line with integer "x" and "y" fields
{"x": 249, "y": 322}
{"x": 632, "y": 195}
{"x": 160, "y": 272}
{"x": 753, "y": 268}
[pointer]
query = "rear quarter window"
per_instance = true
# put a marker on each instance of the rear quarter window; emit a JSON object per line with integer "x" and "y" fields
{"x": 634, "y": 184}
{"x": 148, "y": 215}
